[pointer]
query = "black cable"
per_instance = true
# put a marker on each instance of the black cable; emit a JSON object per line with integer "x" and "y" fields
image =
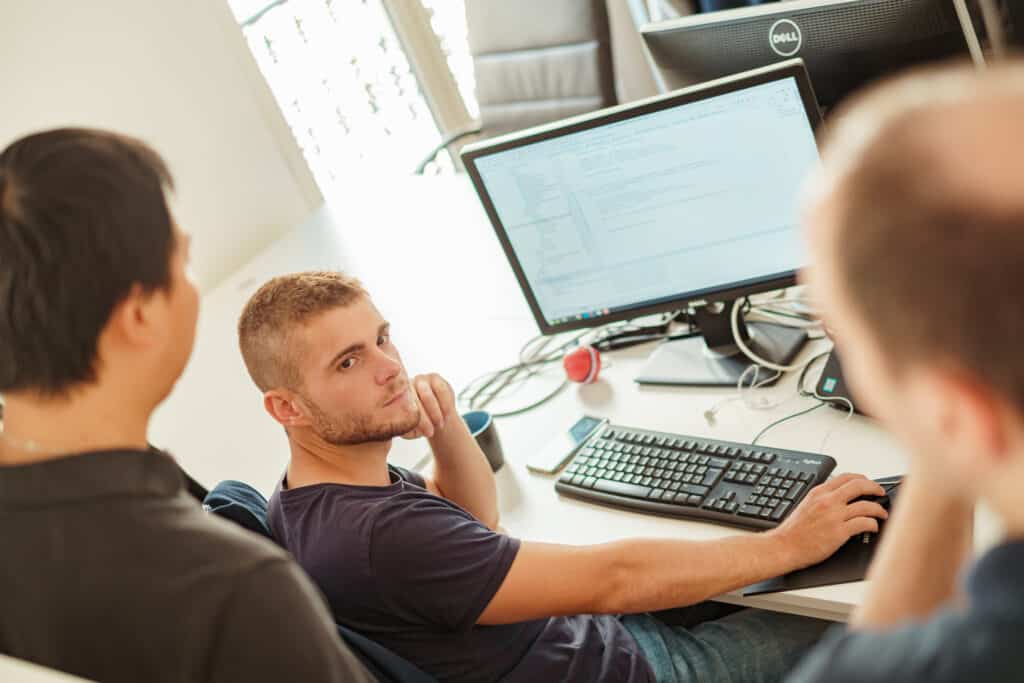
{"x": 533, "y": 357}
{"x": 535, "y": 404}
{"x": 803, "y": 374}
{"x": 753, "y": 442}
{"x": 479, "y": 396}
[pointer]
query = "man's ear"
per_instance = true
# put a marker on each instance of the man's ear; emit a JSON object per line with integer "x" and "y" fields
{"x": 286, "y": 408}
{"x": 136, "y": 319}
{"x": 973, "y": 417}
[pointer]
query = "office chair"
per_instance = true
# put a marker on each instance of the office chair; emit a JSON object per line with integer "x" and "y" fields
{"x": 244, "y": 505}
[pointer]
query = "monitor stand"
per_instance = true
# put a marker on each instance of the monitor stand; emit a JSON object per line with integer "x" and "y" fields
{"x": 712, "y": 359}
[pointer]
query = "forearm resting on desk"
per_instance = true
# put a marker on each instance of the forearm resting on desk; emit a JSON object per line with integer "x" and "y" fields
{"x": 927, "y": 542}
{"x": 643, "y": 575}
{"x": 636, "y": 575}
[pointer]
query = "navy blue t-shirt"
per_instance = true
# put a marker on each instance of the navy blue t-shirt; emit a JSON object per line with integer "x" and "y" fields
{"x": 981, "y": 642}
{"x": 414, "y": 571}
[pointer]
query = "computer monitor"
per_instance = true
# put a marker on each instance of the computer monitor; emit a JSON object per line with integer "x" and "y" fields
{"x": 845, "y": 43}
{"x": 679, "y": 201}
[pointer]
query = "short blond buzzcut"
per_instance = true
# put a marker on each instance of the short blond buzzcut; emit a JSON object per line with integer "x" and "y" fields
{"x": 274, "y": 312}
{"x": 924, "y": 174}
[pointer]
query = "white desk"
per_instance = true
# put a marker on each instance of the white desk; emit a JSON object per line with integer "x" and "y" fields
{"x": 426, "y": 252}
{"x": 17, "y": 671}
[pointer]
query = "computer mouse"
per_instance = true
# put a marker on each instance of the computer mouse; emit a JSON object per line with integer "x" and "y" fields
{"x": 891, "y": 486}
{"x": 884, "y": 501}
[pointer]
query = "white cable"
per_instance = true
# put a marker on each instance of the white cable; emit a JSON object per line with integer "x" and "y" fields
{"x": 764, "y": 404}
{"x": 970, "y": 35}
{"x": 734, "y": 321}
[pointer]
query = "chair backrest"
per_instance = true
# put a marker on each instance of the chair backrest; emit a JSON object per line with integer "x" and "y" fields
{"x": 538, "y": 61}
{"x": 244, "y": 505}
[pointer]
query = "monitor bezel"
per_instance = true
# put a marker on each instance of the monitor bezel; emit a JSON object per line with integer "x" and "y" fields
{"x": 792, "y": 68}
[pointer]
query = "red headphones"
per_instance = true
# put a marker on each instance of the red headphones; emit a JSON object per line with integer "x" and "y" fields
{"x": 582, "y": 365}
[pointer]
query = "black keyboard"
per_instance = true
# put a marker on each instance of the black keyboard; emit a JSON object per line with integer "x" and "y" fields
{"x": 693, "y": 477}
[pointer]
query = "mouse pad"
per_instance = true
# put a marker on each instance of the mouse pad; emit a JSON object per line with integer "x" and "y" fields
{"x": 848, "y": 564}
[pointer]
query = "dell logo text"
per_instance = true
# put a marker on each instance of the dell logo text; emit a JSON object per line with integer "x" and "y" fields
{"x": 785, "y": 37}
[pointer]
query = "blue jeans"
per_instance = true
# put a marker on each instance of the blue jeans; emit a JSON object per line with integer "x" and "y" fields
{"x": 749, "y": 646}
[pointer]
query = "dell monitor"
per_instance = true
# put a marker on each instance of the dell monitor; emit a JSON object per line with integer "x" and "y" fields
{"x": 681, "y": 201}
{"x": 845, "y": 43}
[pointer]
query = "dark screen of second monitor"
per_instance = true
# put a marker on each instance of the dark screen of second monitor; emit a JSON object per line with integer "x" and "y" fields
{"x": 845, "y": 44}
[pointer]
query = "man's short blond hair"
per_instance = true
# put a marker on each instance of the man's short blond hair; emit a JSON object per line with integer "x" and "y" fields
{"x": 268, "y": 322}
{"x": 924, "y": 176}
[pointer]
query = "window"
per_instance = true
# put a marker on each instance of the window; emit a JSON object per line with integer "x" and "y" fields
{"x": 340, "y": 71}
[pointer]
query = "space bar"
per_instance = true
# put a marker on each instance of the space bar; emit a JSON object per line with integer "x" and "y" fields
{"x": 621, "y": 489}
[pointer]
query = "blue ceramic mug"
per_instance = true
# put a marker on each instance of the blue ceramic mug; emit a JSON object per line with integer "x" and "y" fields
{"x": 481, "y": 426}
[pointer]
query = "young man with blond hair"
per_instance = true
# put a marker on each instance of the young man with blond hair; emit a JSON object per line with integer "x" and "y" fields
{"x": 917, "y": 234}
{"x": 417, "y": 564}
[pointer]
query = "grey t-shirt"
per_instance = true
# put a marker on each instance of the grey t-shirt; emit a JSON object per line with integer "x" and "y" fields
{"x": 981, "y": 643}
{"x": 112, "y": 572}
{"x": 414, "y": 571}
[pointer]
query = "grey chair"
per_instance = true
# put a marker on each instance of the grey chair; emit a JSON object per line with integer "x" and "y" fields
{"x": 539, "y": 60}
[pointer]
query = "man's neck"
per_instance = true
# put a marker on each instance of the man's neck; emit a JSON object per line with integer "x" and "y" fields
{"x": 1001, "y": 491}
{"x": 43, "y": 428}
{"x": 314, "y": 461}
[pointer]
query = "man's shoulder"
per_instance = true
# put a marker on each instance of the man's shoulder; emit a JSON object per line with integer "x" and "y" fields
{"x": 206, "y": 538}
{"x": 954, "y": 645}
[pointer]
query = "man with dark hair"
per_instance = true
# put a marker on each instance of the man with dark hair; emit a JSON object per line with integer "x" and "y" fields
{"x": 419, "y": 563}
{"x": 110, "y": 569}
{"x": 916, "y": 230}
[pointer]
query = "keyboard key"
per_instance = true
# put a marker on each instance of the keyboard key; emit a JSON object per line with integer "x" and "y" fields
{"x": 794, "y": 492}
{"x": 766, "y": 513}
{"x": 621, "y": 489}
{"x": 696, "y": 489}
{"x": 682, "y": 499}
{"x": 806, "y": 476}
{"x": 588, "y": 482}
{"x": 750, "y": 479}
{"x": 694, "y": 500}
{"x": 720, "y": 463}
{"x": 711, "y": 477}
{"x": 656, "y": 494}
{"x": 780, "y": 510}
{"x": 749, "y": 510}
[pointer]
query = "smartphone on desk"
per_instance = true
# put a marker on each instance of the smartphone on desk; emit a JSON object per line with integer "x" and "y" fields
{"x": 556, "y": 452}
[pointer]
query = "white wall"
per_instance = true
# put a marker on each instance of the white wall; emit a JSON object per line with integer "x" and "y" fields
{"x": 178, "y": 74}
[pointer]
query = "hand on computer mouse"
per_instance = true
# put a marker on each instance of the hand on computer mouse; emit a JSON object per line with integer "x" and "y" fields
{"x": 883, "y": 500}
{"x": 829, "y": 515}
